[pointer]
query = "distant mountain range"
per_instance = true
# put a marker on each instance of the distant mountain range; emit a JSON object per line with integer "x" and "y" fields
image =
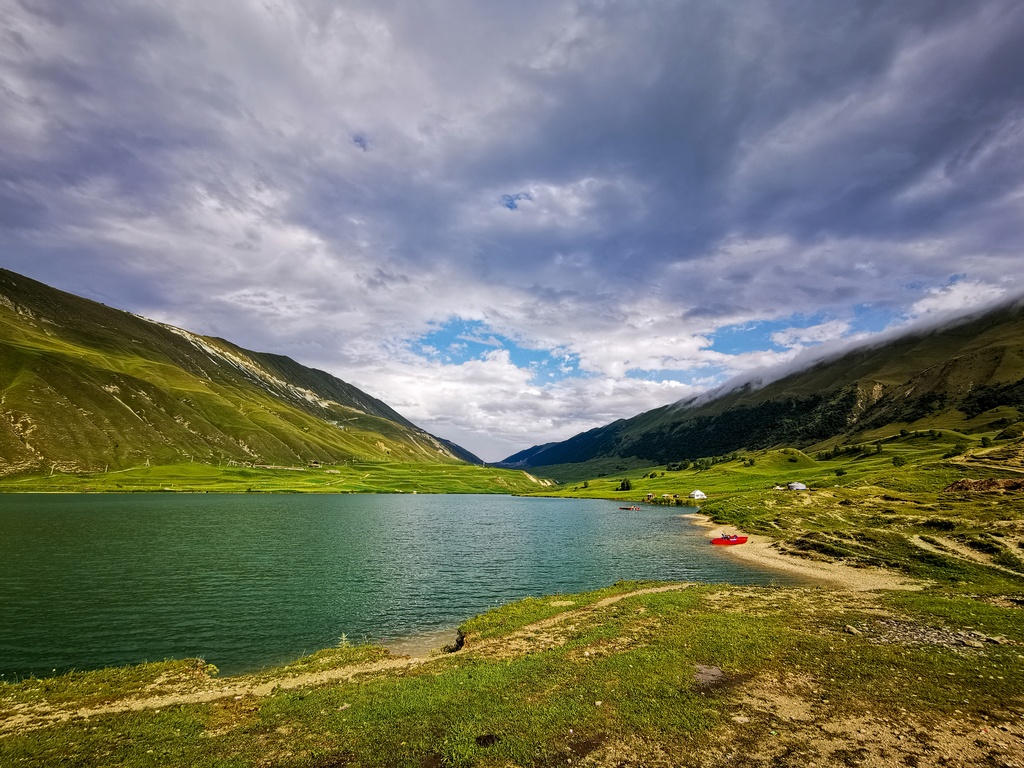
{"x": 968, "y": 376}
{"x": 86, "y": 387}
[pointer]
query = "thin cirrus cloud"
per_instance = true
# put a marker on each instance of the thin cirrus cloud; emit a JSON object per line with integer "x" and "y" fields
{"x": 516, "y": 222}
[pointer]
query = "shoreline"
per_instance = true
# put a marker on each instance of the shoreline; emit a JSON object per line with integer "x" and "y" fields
{"x": 422, "y": 645}
{"x": 761, "y": 551}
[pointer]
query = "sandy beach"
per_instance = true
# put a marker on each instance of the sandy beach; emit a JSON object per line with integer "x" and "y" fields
{"x": 762, "y": 551}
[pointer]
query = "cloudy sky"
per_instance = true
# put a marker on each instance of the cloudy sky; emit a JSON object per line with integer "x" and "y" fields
{"x": 517, "y": 221}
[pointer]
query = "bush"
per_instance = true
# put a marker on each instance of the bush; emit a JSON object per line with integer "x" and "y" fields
{"x": 625, "y": 485}
{"x": 939, "y": 524}
{"x": 957, "y": 449}
{"x": 840, "y": 472}
{"x": 899, "y": 461}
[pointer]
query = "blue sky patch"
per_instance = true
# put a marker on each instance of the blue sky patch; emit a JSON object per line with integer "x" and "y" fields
{"x": 458, "y": 341}
{"x": 512, "y": 201}
{"x": 705, "y": 376}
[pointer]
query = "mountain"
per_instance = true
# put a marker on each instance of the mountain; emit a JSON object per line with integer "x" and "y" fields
{"x": 84, "y": 386}
{"x": 967, "y": 376}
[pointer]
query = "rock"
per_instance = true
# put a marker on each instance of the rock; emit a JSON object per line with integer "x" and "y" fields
{"x": 741, "y": 719}
{"x": 850, "y": 629}
{"x": 705, "y": 675}
{"x": 460, "y": 640}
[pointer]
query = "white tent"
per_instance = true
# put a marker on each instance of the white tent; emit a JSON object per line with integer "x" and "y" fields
{"x": 698, "y": 495}
{"x": 797, "y": 487}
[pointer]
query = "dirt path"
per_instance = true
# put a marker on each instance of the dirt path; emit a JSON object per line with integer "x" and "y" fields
{"x": 552, "y": 632}
{"x": 951, "y": 548}
{"x": 33, "y": 717}
{"x": 29, "y": 718}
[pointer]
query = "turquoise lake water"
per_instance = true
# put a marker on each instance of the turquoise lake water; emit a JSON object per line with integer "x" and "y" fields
{"x": 247, "y": 581}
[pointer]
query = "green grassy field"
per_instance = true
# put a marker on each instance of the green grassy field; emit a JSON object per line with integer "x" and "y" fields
{"x": 351, "y": 477}
{"x": 880, "y": 503}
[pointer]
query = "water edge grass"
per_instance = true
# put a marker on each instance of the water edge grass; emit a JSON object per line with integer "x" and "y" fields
{"x": 549, "y": 681}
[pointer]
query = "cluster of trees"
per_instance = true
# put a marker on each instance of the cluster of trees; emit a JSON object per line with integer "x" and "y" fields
{"x": 705, "y": 463}
{"x": 849, "y": 450}
{"x": 986, "y": 398}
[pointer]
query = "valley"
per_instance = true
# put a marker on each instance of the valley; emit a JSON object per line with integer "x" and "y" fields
{"x": 905, "y": 646}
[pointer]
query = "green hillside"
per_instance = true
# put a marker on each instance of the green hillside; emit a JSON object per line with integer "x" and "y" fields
{"x": 968, "y": 377}
{"x": 86, "y": 388}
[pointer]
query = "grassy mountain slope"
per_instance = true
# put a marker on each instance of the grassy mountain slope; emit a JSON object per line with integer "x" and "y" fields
{"x": 970, "y": 374}
{"x": 86, "y": 387}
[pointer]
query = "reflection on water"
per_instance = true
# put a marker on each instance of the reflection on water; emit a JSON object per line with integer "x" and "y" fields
{"x": 247, "y": 580}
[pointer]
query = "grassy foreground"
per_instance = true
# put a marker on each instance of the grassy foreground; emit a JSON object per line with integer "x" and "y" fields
{"x": 637, "y": 674}
{"x": 351, "y": 477}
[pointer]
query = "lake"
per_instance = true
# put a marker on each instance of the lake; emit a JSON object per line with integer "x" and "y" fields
{"x": 247, "y": 581}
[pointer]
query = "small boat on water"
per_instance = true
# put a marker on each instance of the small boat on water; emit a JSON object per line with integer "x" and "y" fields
{"x": 728, "y": 540}
{"x": 631, "y": 509}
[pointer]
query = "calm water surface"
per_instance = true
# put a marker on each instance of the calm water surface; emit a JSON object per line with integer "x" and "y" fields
{"x": 246, "y": 581}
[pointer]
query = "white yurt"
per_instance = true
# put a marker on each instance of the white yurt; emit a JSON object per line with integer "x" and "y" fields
{"x": 698, "y": 495}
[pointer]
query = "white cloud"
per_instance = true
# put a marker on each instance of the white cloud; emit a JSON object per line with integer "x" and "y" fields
{"x": 814, "y": 334}
{"x": 956, "y": 299}
{"x": 324, "y": 180}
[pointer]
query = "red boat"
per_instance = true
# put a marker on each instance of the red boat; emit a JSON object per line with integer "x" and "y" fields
{"x": 727, "y": 540}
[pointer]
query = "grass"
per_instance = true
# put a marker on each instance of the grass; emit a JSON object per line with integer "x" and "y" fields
{"x": 349, "y": 477}
{"x": 88, "y": 388}
{"x": 614, "y": 684}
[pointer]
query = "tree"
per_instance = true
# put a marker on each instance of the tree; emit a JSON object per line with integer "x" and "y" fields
{"x": 625, "y": 485}
{"x": 959, "y": 447}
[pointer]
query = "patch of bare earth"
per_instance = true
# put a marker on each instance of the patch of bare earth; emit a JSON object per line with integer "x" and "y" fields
{"x": 788, "y": 721}
{"x": 766, "y": 553}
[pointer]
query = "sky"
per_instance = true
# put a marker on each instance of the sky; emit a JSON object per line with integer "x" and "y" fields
{"x": 514, "y": 222}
